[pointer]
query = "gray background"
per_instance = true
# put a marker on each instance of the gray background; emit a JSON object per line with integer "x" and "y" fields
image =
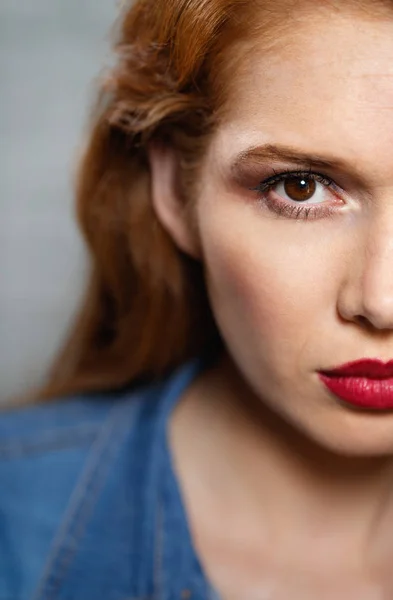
{"x": 50, "y": 53}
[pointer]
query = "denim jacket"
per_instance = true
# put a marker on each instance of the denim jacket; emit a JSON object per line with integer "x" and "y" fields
{"x": 90, "y": 508}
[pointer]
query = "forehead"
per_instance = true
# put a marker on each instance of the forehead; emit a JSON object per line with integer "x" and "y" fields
{"x": 327, "y": 81}
{"x": 315, "y": 42}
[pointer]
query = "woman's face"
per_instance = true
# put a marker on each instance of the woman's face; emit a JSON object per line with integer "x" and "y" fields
{"x": 300, "y": 272}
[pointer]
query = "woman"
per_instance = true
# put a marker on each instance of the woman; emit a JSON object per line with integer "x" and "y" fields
{"x": 225, "y": 426}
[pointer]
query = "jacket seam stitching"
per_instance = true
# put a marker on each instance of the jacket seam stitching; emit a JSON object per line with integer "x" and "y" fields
{"x": 54, "y": 440}
{"x": 158, "y": 578}
{"x": 79, "y": 509}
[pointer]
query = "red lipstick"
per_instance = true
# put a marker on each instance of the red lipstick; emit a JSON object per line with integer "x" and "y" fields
{"x": 364, "y": 383}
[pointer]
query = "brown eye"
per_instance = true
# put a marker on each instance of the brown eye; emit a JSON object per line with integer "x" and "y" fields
{"x": 299, "y": 188}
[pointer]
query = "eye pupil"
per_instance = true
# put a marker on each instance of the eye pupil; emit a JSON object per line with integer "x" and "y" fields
{"x": 300, "y": 189}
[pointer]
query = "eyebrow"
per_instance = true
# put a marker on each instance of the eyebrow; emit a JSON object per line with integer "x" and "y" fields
{"x": 287, "y": 154}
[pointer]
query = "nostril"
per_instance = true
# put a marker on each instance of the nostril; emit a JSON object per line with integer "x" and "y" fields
{"x": 363, "y": 321}
{"x": 374, "y": 324}
{"x": 368, "y": 324}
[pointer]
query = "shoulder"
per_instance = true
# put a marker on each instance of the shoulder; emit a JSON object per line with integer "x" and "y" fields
{"x": 75, "y": 473}
{"x": 76, "y": 420}
{"x": 67, "y": 422}
{"x": 56, "y": 462}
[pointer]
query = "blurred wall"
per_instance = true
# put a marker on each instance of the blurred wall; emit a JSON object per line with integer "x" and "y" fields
{"x": 50, "y": 52}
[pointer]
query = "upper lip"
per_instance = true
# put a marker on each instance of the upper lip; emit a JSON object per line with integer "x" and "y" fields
{"x": 367, "y": 368}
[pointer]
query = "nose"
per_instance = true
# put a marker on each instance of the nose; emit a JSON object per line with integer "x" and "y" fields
{"x": 366, "y": 297}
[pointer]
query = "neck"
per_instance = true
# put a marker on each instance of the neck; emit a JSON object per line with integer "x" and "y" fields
{"x": 295, "y": 489}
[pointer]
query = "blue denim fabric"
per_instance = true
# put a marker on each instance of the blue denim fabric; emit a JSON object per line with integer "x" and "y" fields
{"x": 90, "y": 508}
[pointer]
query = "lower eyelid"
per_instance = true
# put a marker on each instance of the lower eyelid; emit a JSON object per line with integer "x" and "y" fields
{"x": 290, "y": 210}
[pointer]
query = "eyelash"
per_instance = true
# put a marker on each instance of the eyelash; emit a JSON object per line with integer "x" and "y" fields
{"x": 294, "y": 211}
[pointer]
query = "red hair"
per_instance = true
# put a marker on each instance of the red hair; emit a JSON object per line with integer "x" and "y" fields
{"x": 146, "y": 308}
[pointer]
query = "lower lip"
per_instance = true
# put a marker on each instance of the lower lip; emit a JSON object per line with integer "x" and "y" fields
{"x": 372, "y": 394}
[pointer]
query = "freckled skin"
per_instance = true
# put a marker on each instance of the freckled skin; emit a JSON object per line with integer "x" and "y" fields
{"x": 287, "y": 293}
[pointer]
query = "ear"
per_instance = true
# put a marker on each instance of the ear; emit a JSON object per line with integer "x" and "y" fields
{"x": 171, "y": 209}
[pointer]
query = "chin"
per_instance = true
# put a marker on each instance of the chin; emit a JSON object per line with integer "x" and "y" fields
{"x": 337, "y": 427}
{"x": 356, "y": 434}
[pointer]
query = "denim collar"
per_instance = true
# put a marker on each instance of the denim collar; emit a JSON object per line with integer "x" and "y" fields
{"x": 178, "y": 573}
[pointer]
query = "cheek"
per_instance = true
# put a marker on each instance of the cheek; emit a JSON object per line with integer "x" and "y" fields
{"x": 272, "y": 284}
